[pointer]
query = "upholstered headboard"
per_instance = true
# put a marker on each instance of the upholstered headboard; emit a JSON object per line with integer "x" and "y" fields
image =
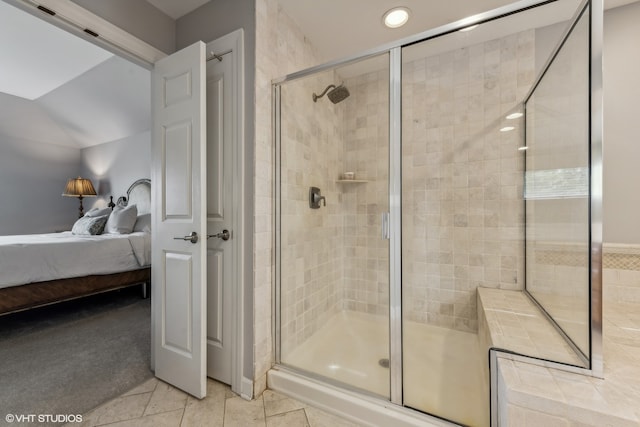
{"x": 139, "y": 193}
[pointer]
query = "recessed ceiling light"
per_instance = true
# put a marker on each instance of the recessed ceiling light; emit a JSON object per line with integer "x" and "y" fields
{"x": 465, "y": 29}
{"x": 507, "y": 129}
{"x": 523, "y": 148}
{"x": 513, "y": 116}
{"x": 396, "y": 17}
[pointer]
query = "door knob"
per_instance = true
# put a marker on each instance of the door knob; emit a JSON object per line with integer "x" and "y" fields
{"x": 224, "y": 235}
{"x": 193, "y": 237}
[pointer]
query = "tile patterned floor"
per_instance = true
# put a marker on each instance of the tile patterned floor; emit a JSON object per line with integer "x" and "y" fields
{"x": 157, "y": 404}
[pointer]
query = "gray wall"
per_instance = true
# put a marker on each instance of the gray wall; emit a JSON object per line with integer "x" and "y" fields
{"x": 32, "y": 178}
{"x": 33, "y": 175}
{"x": 37, "y": 157}
{"x": 136, "y": 17}
{"x": 210, "y": 21}
{"x": 621, "y": 124}
{"x": 114, "y": 166}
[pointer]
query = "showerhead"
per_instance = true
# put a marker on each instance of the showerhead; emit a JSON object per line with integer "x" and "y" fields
{"x": 335, "y": 95}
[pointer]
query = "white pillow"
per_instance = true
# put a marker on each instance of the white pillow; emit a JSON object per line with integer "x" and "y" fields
{"x": 98, "y": 212}
{"x": 143, "y": 223}
{"x": 121, "y": 220}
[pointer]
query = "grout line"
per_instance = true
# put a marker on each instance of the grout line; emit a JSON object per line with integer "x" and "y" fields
{"x": 148, "y": 401}
{"x": 186, "y": 404}
{"x": 184, "y": 411}
{"x": 144, "y": 411}
{"x": 306, "y": 417}
{"x": 264, "y": 409}
{"x": 224, "y": 408}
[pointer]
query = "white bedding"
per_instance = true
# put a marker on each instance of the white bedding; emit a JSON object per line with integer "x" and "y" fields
{"x": 40, "y": 257}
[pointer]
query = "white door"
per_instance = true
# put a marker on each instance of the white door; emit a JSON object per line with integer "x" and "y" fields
{"x": 220, "y": 215}
{"x": 179, "y": 263}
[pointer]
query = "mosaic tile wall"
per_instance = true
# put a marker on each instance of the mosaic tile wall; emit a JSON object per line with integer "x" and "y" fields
{"x": 462, "y": 178}
{"x": 621, "y": 273}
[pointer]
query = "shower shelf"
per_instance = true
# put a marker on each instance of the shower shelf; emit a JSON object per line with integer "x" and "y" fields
{"x": 352, "y": 181}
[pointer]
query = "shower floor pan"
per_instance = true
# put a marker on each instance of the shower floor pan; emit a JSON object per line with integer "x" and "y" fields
{"x": 444, "y": 373}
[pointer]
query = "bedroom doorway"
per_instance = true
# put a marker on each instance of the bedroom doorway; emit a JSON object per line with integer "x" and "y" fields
{"x": 197, "y": 254}
{"x": 231, "y": 48}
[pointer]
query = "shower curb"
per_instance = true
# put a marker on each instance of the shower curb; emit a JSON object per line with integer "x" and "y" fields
{"x": 364, "y": 410}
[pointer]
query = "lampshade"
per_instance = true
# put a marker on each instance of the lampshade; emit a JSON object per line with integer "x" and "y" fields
{"x": 79, "y": 187}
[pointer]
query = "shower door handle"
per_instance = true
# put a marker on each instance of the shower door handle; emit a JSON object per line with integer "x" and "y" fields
{"x": 385, "y": 226}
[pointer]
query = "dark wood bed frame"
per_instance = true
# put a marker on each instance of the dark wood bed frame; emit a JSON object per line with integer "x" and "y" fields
{"x": 37, "y": 294}
{"x": 18, "y": 298}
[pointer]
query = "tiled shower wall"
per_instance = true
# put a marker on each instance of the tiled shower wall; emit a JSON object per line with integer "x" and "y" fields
{"x": 334, "y": 257}
{"x": 463, "y": 214}
{"x": 312, "y": 253}
{"x": 366, "y": 152}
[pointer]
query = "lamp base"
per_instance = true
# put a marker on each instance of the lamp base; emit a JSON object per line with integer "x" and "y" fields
{"x": 81, "y": 208}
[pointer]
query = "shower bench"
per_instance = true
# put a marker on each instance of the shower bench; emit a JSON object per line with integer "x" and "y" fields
{"x": 530, "y": 394}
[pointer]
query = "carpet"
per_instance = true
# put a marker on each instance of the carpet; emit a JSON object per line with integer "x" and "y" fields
{"x": 70, "y": 357}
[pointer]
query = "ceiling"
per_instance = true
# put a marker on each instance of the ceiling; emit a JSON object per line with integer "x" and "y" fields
{"x": 177, "y": 8}
{"x": 362, "y": 19}
{"x": 321, "y": 20}
{"x": 108, "y": 103}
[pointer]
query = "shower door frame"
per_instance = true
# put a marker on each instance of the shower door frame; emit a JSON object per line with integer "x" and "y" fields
{"x": 394, "y": 50}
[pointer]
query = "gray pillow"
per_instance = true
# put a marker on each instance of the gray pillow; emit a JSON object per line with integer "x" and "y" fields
{"x": 89, "y": 225}
{"x": 122, "y": 220}
{"x": 143, "y": 223}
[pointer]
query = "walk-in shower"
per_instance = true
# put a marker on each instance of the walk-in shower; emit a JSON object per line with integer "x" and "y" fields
{"x": 453, "y": 145}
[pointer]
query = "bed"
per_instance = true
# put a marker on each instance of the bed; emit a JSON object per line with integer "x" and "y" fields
{"x": 42, "y": 269}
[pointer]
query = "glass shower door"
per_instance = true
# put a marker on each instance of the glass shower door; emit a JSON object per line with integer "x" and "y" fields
{"x": 333, "y": 185}
{"x": 463, "y": 214}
